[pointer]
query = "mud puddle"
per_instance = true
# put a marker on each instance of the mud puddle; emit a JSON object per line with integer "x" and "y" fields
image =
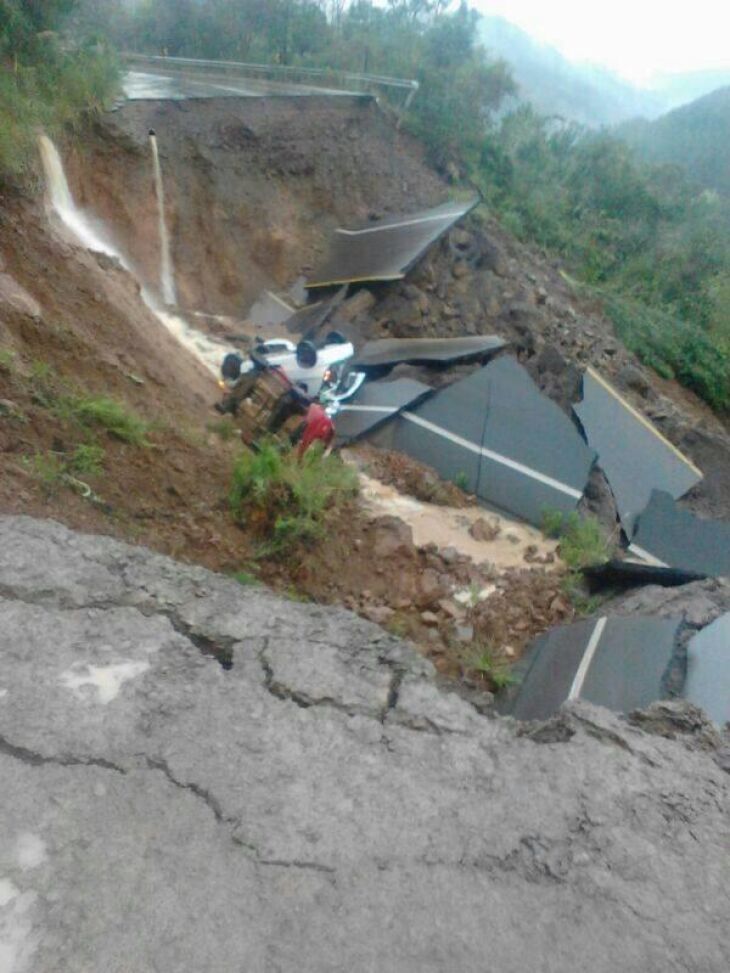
{"x": 514, "y": 544}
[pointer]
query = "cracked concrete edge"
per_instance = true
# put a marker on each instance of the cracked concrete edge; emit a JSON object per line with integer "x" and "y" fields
{"x": 155, "y": 585}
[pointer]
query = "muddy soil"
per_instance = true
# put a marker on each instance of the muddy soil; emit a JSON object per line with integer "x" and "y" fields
{"x": 253, "y": 187}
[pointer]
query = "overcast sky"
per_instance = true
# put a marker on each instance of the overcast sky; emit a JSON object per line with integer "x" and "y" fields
{"x": 635, "y": 38}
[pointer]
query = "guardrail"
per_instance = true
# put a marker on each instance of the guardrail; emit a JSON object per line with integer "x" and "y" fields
{"x": 291, "y": 74}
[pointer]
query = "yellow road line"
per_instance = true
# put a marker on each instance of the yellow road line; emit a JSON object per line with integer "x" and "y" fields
{"x": 642, "y": 419}
{"x": 353, "y": 280}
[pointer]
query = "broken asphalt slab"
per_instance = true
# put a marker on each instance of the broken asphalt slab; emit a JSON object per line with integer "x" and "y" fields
{"x": 708, "y": 670}
{"x": 668, "y": 536}
{"x": 386, "y": 249}
{"x": 500, "y": 438}
{"x": 322, "y": 805}
{"x": 426, "y": 351}
{"x": 619, "y": 663}
{"x": 376, "y": 403}
{"x": 635, "y": 457}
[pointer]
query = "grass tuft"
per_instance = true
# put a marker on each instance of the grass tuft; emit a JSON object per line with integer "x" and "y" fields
{"x": 108, "y": 414}
{"x": 581, "y": 540}
{"x": 286, "y": 500}
{"x": 486, "y": 664}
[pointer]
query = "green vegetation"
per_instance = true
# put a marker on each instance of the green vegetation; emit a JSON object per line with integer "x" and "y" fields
{"x": 486, "y": 664}
{"x": 7, "y": 360}
{"x": 44, "y": 84}
{"x": 48, "y": 468}
{"x": 582, "y": 544}
{"x": 461, "y": 480}
{"x": 100, "y": 411}
{"x": 581, "y": 541}
{"x": 643, "y": 239}
{"x": 54, "y": 469}
{"x": 696, "y": 136}
{"x": 246, "y": 579}
{"x": 286, "y": 500}
{"x": 87, "y": 460}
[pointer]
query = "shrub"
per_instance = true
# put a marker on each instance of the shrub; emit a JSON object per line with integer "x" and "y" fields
{"x": 48, "y": 468}
{"x": 87, "y": 460}
{"x": 286, "y": 500}
{"x": 581, "y": 540}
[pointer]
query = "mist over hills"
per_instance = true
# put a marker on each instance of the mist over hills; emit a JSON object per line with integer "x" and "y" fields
{"x": 696, "y": 136}
{"x": 586, "y": 93}
{"x": 583, "y": 93}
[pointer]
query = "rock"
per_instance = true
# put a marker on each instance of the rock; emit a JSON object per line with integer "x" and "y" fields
{"x": 533, "y": 556}
{"x": 631, "y": 377}
{"x": 460, "y": 269}
{"x": 492, "y": 257}
{"x": 550, "y": 360}
{"x": 449, "y": 607}
{"x": 429, "y": 618}
{"x": 360, "y": 303}
{"x": 449, "y": 555}
{"x": 380, "y": 614}
{"x": 162, "y": 812}
{"x": 429, "y": 588}
{"x": 392, "y": 537}
{"x": 483, "y": 530}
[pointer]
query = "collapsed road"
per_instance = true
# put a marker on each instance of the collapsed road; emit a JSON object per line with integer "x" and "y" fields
{"x": 319, "y": 804}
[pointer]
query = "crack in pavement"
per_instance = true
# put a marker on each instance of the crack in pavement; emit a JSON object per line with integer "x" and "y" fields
{"x": 296, "y": 863}
{"x": 34, "y": 759}
{"x": 204, "y": 795}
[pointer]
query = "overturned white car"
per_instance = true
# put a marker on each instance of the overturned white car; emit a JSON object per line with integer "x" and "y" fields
{"x": 321, "y": 371}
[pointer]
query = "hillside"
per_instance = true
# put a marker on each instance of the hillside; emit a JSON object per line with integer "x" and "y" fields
{"x": 696, "y": 136}
{"x": 582, "y": 93}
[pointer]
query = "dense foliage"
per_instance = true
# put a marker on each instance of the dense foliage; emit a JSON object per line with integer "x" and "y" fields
{"x": 653, "y": 244}
{"x": 43, "y": 83}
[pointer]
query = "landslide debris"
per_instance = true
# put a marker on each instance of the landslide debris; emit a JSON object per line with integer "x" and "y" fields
{"x": 228, "y": 815}
{"x": 253, "y": 187}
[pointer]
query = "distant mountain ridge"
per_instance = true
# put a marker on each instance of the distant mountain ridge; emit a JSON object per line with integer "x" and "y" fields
{"x": 696, "y": 136}
{"x": 587, "y": 94}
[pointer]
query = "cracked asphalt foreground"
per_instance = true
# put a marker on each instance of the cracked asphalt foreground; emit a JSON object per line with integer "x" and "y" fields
{"x": 321, "y": 805}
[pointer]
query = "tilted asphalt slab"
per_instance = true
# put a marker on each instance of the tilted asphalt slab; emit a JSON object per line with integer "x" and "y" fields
{"x": 320, "y": 806}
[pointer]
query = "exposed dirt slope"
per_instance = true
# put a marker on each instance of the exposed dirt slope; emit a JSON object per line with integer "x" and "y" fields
{"x": 253, "y": 186}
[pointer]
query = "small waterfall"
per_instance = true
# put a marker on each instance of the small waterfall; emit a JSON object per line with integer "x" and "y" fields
{"x": 60, "y": 198}
{"x": 205, "y": 349}
{"x": 167, "y": 276}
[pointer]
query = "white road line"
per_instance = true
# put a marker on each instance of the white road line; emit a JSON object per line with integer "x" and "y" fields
{"x": 497, "y": 457}
{"x": 646, "y": 556}
{"x": 396, "y": 226}
{"x": 585, "y": 662}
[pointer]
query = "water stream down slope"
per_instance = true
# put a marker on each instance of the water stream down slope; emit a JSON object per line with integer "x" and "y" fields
{"x": 90, "y": 233}
{"x": 167, "y": 275}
